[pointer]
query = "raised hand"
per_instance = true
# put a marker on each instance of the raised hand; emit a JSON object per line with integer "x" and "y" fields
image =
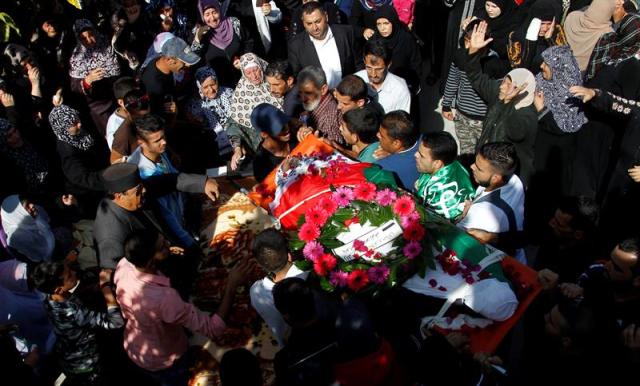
{"x": 538, "y": 100}
{"x": 586, "y": 94}
{"x": 552, "y": 28}
{"x": 478, "y": 40}
{"x": 514, "y": 92}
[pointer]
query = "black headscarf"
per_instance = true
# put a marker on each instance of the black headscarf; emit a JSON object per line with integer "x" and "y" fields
{"x": 502, "y": 25}
{"x": 389, "y": 13}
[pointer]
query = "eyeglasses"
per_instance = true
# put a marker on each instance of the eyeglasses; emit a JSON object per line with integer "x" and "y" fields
{"x": 141, "y": 103}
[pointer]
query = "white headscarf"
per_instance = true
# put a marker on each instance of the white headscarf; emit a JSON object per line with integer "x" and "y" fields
{"x": 30, "y": 236}
{"x": 518, "y": 77}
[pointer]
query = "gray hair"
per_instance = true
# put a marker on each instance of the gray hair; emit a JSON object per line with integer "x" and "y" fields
{"x": 312, "y": 74}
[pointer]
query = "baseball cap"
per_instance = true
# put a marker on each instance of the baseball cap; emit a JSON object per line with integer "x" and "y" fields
{"x": 177, "y": 48}
{"x": 268, "y": 119}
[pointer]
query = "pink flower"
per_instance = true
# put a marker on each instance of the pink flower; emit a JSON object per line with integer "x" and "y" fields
{"x": 316, "y": 216}
{"x": 312, "y": 250}
{"x": 357, "y": 279}
{"x": 308, "y": 232}
{"x": 403, "y": 206}
{"x": 328, "y": 205}
{"x": 411, "y": 218}
{"x": 359, "y": 246}
{"x": 324, "y": 264}
{"x": 342, "y": 196}
{"x": 385, "y": 197}
{"x": 379, "y": 274}
{"x": 412, "y": 249}
{"x": 365, "y": 191}
{"x": 413, "y": 232}
{"x": 338, "y": 278}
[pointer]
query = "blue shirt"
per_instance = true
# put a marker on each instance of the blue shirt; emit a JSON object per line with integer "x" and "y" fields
{"x": 403, "y": 164}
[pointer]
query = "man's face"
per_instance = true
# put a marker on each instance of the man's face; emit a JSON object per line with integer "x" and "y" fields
{"x": 505, "y": 87}
{"x": 133, "y": 198}
{"x": 387, "y": 143}
{"x": 88, "y": 38}
{"x": 284, "y": 136}
{"x": 278, "y": 86}
{"x": 482, "y": 171}
{"x": 424, "y": 160}
{"x": 345, "y": 103}
{"x": 31, "y": 208}
{"x": 621, "y": 264}
{"x": 69, "y": 278}
{"x": 210, "y": 88}
{"x": 560, "y": 225}
{"x": 349, "y": 137}
{"x": 310, "y": 95}
{"x": 175, "y": 65}
{"x": 154, "y": 143}
{"x": 253, "y": 74}
{"x": 376, "y": 69}
{"x": 315, "y": 23}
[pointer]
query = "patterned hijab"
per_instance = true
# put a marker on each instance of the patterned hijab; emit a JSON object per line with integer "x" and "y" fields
{"x": 34, "y": 167}
{"x": 215, "y": 111}
{"x": 567, "y": 110}
{"x": 101, "y": 55}
{"x": 248, "y": 95}
{"x": 221, "y": 36}
{"x": 63, "y": 117}
{"x": 372, "y": 5}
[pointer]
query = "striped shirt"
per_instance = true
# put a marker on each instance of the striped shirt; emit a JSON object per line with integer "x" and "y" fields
{"x": 459, "y": 93}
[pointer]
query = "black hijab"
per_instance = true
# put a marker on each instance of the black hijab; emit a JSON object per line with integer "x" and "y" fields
{"x": 502, "y": 25}
{"x": 389, "y": 13}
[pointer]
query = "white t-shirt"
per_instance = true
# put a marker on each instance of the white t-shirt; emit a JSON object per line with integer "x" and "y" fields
{"x": 262, "y": 301}
{"x": 486, "y": 216}
{"x": 393, "y": 95}
{"x": 327, "y": 51}
{"x": 114, "y": 122}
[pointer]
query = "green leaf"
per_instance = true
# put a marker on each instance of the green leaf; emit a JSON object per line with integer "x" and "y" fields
{"x": 303, "y": 265}
{"x": 300, "y": 221}
{"x": 296, "y": 244}
{"x": 326, "y": 285}
{"x": 342, "y": 215}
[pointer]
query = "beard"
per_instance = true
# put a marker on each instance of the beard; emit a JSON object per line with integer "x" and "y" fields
{"x": 311, "y": 105}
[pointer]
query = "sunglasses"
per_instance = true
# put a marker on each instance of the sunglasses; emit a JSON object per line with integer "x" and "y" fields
{"x": 141, "y": 103}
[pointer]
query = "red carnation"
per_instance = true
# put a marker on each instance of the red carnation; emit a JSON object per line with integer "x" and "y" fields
{"x": 328, "y": 205}
{"x": 404, "y": 206}
{"x": 414, "y": 232}
{"x": 365, "y": 191}
{"x": 316, "y": 216}
{"x": 324, "y": 264}
{"x": 357, "y": 279}
{"x": 308, "y": 232}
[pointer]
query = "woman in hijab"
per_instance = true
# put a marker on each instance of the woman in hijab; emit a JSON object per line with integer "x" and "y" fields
{"x": 584, "y": 28}
{"x": 405, "y": 53}
{"x": 213, "y": 107}
{"x": 93, "y": 69}
{"x": 363, "y": 17}
{"x": 614, "y": 47}
{"x": 560, "y": 117}
{"x": 539, "y": 29}
{"x": 500, "y": 16}
{"x": 511, "y": 116}
{"x": 219, "y": 41}
{"x": 29, "y": 165}
{"x": 169, "y": 19}
{"x": 27, "y": 228}
{"x": 82, "y": 158}
{"x": 251, "y": 91}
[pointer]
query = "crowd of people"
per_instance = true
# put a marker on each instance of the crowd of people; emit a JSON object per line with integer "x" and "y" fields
{"x": 111, "y": 113}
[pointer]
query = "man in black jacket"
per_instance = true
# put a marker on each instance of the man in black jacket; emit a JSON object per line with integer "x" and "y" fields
{"x": 335, "y": 45}
{"x": 123, "y": 212}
